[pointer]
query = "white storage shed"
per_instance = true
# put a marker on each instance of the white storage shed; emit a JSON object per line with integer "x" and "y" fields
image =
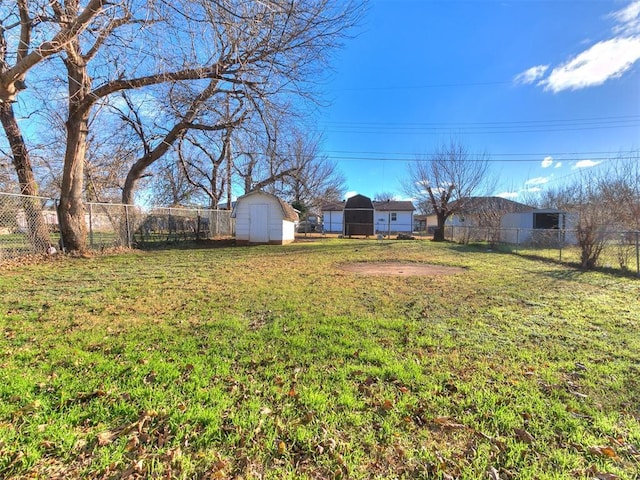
{"x": 263, "y": 218}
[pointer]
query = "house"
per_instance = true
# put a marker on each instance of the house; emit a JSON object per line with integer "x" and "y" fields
{"x": 263, "y": 218}
{"x": 478, "y": 218}
{"x": 484, "y": 212}
{"x": 392, "y": 216}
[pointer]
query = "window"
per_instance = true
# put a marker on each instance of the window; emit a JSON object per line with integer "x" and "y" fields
{"x": 546, "y": 220}
{"x": 394, "y": 216}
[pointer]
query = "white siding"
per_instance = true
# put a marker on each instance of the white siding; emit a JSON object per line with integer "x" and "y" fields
{"x": 384, "y": 222}
{"x": 516, "y": 227}
{"x": 332, "y": 221}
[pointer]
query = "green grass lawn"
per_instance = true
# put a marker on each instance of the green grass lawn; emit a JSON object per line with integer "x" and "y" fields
{"x": 273, "y": 362}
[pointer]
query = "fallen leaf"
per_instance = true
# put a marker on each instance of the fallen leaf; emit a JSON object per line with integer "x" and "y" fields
{"x": 447, "y": 422}
{"x": 524, "y": 436}
{"x": 282, "y": 447}
{"x": 105, "y": 438}
{"x": 133, "y": 443}
{"x": 492, "y": 473}
{"x": 387, "y": 405}
{"x": 606, "y": 476}
{"x": 603, "y": 451}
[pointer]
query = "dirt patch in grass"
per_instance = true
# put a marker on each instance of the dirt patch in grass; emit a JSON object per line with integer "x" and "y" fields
{"x": 399, "y": 268}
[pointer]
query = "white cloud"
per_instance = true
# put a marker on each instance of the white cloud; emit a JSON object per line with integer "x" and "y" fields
{"x": 585, "y": 164}
{"x": 533, "y": 189}
{"x": 628, "y": 19}
{"x": 531, "y": 75}
{"x": 558, "y": 165}
{"x": 350, "y": 194}
{"x": 603, "y": 61}
{"x": 508, "y": 194}
{"x": 537, "y": 181}
{"x": 546, "y": 162}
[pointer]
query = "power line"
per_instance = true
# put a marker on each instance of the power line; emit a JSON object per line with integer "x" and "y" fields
{"x": 587, "y": 120}
{"x": 511, "y": 154}
{"x": 493, "y": 127}
{"x": 488, "y": 159}
{"x": 420, "y": 87}
{"x": 471, "y": 131}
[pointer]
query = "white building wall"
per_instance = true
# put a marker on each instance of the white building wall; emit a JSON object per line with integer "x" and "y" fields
{"x": 332, "y": 221}
{"x": 516, "y": 228}
{"x": 288, "y": 231}
{"x": 383, "y": 222}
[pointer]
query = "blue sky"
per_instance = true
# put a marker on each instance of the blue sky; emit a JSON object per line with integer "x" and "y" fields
{"x": 545, "y": 88}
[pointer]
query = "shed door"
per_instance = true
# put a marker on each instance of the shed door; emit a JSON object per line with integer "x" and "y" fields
{"x": 259, "y": 224}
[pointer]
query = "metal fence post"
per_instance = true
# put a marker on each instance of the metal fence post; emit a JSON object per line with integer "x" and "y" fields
{"x": 638, "y": 253}
{"x": 61, "y": 241}
{"x": 128, "y": 224}
{"x": 560, "y": 236}
{"x": 90, "y": 225}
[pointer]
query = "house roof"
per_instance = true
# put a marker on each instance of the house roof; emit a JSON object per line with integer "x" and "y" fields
{"x": 394, "y": 205}
{"x": 484, "y": 204}
{"x": 385, "y": 206}
{"x": 288, "y": 212}
{"x": 332, "y": 207}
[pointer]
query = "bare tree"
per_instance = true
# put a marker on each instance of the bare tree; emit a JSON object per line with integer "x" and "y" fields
{"x": 27, "y": 38}
{"x": 265, "y": 158}
{"x": 444, "y": 181}
{"x": 384, "y": 196}
{"x": 583, "y": 199}
{"x": 207, "y": 164}
{"x": 170, "y": 186}
{"x": 314, "y": 178}
{"x": 260, "y": 50}
{"x": 603, "y": 201}
{"x": 619, "y": 185}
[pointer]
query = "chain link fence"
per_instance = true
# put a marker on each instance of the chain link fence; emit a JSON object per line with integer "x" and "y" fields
{"x": 387, "y": 229}
{"x": 29, "y": 225}
{"x": 616, "y": 250}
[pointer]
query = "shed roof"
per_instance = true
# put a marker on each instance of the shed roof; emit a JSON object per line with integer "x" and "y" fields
{"x": 359, "y": 202}
{"x": 288, "y": 212}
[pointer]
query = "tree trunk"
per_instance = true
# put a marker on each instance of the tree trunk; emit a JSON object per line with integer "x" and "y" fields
{"x": 71, "y": 211}
{"x": 37, "y": 228}
{"x": 438, "y": 234}
{"x": 130, "y": 182}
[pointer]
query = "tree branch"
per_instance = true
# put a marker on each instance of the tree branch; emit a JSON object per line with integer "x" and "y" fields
{"x": 8, "y": 78}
